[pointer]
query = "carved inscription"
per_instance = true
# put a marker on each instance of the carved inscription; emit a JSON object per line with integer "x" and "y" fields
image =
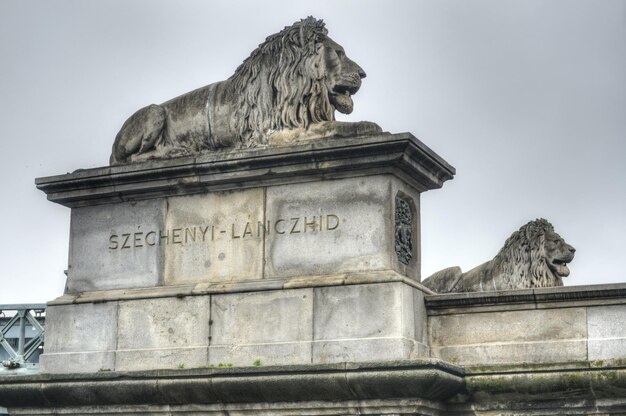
{"x": 235, "y": 231}
{"x": 404, "y": 220}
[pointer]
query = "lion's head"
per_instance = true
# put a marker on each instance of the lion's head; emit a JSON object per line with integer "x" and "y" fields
{"x": 296, "y": 77}
{"x": 535, "y": 256}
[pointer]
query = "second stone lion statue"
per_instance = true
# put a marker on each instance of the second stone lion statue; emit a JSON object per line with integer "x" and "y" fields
{"x": 533, "y": 256}
{"x": 287, "y": 90}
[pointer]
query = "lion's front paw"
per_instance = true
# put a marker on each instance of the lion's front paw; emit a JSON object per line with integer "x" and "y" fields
{"x": 344, "y": 129}
{"x": 176, "y": 152}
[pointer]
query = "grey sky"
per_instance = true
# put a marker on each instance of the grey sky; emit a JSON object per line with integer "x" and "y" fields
{"x": 527, "y": 99}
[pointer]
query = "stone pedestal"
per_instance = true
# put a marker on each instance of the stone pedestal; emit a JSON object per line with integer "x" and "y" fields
{"x": 285, "y": 282}
{"x": 297, "y": 254}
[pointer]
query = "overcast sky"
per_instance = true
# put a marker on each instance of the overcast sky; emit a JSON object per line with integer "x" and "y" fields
{"x": 527, "y": 99}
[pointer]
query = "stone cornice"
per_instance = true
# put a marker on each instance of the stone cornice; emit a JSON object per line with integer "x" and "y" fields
{"x": 428, "y": 379}
{"x": 399, "y": 154}
{"x": 555, "y": 297}
{"x": 210, "y": 288}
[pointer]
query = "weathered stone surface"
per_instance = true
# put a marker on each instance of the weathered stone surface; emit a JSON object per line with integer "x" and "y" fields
{"x": 607, "y": 332}
{"x": 329, "y": 227}
{"x": 80, "y": 338}
{"x": 162, "y": 358}
{"x": 147, "y": 243}
{"x": 208, "y": 288}
{"x": 368, "y": 322}
{"x": 524, "y": 336}
{"x": 274, "y": 388}
{"x": 274, "y": 327}
{"x": 580, "y": 388}
{"x": 270, "y": 353}
{"x": 414, "y": 311}
{"x": 220, "y": 237}
{"x": 163, "y": 333}
{"x": 360, "y": 311}
{"x": 111, "y": 246}
{"x": 296, "y": 79}
{"x": 424, "y": 387}
{"x": 367, "y": 349}
{"x": 77, "y": 362}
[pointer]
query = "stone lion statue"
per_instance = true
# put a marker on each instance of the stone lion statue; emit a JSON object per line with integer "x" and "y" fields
{"x": 533, "y": 256}
{"x": 287, "y": 90}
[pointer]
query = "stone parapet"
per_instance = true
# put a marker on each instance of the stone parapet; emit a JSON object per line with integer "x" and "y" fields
{"x": 568, "y": 324}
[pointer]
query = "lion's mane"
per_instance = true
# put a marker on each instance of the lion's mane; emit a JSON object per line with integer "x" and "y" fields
{"x": 522, "y": 260}
{"x": 281, "y": 84}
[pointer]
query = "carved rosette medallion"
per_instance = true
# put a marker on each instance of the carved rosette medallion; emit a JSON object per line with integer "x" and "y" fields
{"x": 404, "y": 226}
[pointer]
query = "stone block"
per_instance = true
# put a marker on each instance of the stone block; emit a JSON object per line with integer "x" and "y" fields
{"x": 384, "y": 321}
{"x": 81, "y": 327}
{"x": 513, "y": 353}
{"x": 80, "y": 338}
{"x": 414, "y": 315}
{"x": 116, "y": 246}
{"x": 607, "y": 332}
{"x": 240, "y": 319}
{"x": 163, "y": 333}
{"x": 77, "y": 362}
{"x": 522, "y": 336}
{"x": 161, "y": 358}
{"x": 216, "y": 236}
{"x": 280, "y": 353}
{"x": 329, "y": 227}
{"x": 360, "y": 311}
{"x": 367, "y": 349}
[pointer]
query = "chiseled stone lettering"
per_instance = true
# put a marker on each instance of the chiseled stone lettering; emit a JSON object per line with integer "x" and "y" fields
{"x": 232, "y": 232}
{"x": 113, "y": 244}
{"x": 336, "y": 222}
{"x": 204, "y": 232}
{"x": 190, "y": 234}
{"x": 312, "y": 224}
{"x": 150, "y": 241}
{"x": 294, "y": 225}
{"x": 137, "y": 239}
{"x": 238, "y": 230}
{"x": 125, "y": 243}
{"x": 163, "y": 237}
{"x": 261, "y": 229}
{"x": 276, "y": 226}
{"x": 176, "y": 237}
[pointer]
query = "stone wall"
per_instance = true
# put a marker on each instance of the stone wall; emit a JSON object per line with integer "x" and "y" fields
{"x": 567, "y": 324}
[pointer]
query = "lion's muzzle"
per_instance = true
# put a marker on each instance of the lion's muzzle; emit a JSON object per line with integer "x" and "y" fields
{"x": 341, "y": 94}
{"x": 559, "y": 264}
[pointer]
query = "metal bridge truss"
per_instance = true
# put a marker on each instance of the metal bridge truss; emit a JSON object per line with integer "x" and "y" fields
{"x": 22, "y": 315}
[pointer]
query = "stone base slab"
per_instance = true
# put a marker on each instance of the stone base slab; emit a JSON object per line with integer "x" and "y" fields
{"x": 303, "y": 390}
{"x": 383, "y": 321}
{"x": 419, "y": 388}
{"x": 316, "y": 408}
